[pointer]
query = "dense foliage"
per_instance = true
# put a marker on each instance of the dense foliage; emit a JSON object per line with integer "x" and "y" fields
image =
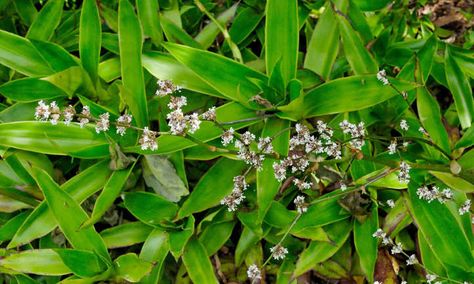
{"x": 200, "y": 141}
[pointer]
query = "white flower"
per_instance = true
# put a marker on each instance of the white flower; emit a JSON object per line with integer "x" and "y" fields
{"x": 390, "y": 203}
{"x": 239, "y": 183}
{"x": 342, "y": 186}
{"x": 227, "y": 137}
{"x": 301, "y": 206}
{"x": 397, "y": 248}
{"x": 404, "y": 174}
{"x": 412, "y": 260}
{"x": 103, "y": 123}
{"x": 378, "y": 282}
{"x": 465, "y": 207}
{"x": 392, "y": 148}
{"x": 403, "y": 282}
{"x": 280, "y": 171}
{"x": 123, "y": 122}
{"x": 379, "y": 234}
{"x": 177, "y": 102}
{"x": 254, "y": 273}
{"x": 430, "y": 278}
{"x": 85, "y": 116}
{"x": 301, "y": 184}
{"x": 278, "y": 252}
{"x": 42, "y": 111}
{"x": 233, "y": 200}
{"x": 176, "y": 122}
{"x": 265, "y": 145}
{"x": 148, "y": 140}
{"x": 404, "y": 125}
{"x": 69, "y": 114}
{"x": 193, "y": 122}
{"x": 166, "y": 87}
{"x": 423, "y": 131}
{"x": 247, "y": 138}
{"x": 55, "y": 113}
{"x": 382, "y": 77}
{"x": 210, "y": 114}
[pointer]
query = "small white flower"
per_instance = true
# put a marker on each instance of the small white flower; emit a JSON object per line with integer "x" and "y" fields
{"x": 123, "y": 122}
{"x": 42, "y": 111}
{"x": 382, "y": 77}
{"x": 176, "y": 122}
{"x": 278, "y": 252}
{"x": 233, "y": 200}
{"x": 103, "y": 123}
{"x": 280, "y": 171}
{"x": 392, "y": 148}
{"x": 69, "y": 114}
{"x": 412, "y": 260}
{"x": 397, "y": 248}
{"x": 247, "y": 138}
{"x": 403, "y": 282}
{"x": 193, "y": 122}
{"x": 166, "y": 87}
{"x": 265, "y": 145}
{"x": 177, "y": 102}
{"x": 148, "y": 140}
{"x": 227, "y": 137}
{"x": 404, "y": 125}
{"x": 55, "y": 113}
{"x": 391, "y": 203}
{"x": 253, "y": 273}
{"x": 465, "y": 207}
{"x": 301, "y": 206}
{"x": 301, "y": 184}
{"x": 423, "y": 131}
{"x": 378, "y": 282}
{"x": 430, "y": 278}
{"x": 85, "y": 116}
{"x": 239, "y": 183}
{"x": 210, "y": 114}
{"x": 342, "y": 186}
{"x": 379, "y": 234}
{"x": 404, "y": 174}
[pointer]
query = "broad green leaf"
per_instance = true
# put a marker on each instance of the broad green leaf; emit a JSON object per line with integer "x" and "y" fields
{"x": 318, "y": 252}
{"x": 69, "y": 80}
{"x": 179, "y": 238}
{"x": 8, "y": 230}
{"x": 460, "y": 89}
{"x": 244, "y": 23}
{"x": 430, "y": 117}
{"x": 359, "y": 58}
{"x": 208, "y": 34}
{"x": 215, "y": 236}
{"x": 324, "y": 44}
{"x": 20, "y": 55}
{"x": 197, "y": 263}
{"x": 267, "y": 184}
{"x": 43, "y": 137}
{"x": 131, "y": 268}
{"x": 426, "y": 57}
{"x": 342, "y": 95}
{"x": 467, "y": 139}
{"x": 216, "y": 184}
{"x": 454, "y": 182}
{"x": 70, "y": 216}
{"x": 126, "y": 235}
{"x": 281, "y": 37}
{"x": 442, "y": 230}
{"x": 47, "y": 21}
{"x": 81, "y": 263}
{"x": 41, "y": 262}
{"x": 26, "y": 10}
{"x": 111, "y": 191}
{"x": 90, "y": 38}
{"x": 236, "y": 83}
{"x": 371, "y": 5}
{"x": 430, "y": 260}
{"x": 131, "y": 42}
{"x": 155, "y": 249}
{"x": 176, "y": 34}
{"x": 160, "y": 174}
{"x": 42, "y": 221}
{"x": 366, "y": 245}
{"x": 150, "y": 208}
{"x": 148, "y": 12}
{"x": 56, "y": 56}
{"x": 109, "y": 69}
{"x": 30, "y": 89}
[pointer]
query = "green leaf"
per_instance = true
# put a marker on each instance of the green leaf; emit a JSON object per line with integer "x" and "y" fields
{"x": 208, "y": 34}
{"x": 42, "y": 221}
{"x": 467, "y": 139}
{"x": 130, "y": 41}
{"x": 160, "y": 174}
{"x": 176, "y": 34}
{"x": 216, "y": 235}
{"x": 130, "y": 268}
{"x": 359, "y": 58}
{"x": 244, "y": 23}
{"x": 20, "y": 55}
{"x": 30, "y": 89}
{"x": 236, "y": 83}
{"x": 81, "y": 263}
{"x": 41, "y": 262}
{"x": 90, "y": 38}
{"x": 56, "y": 56}
{"x": 197, "y": 263}
{"x": 70, "y": 216}
{"x": 267, "y": 184}
{"x": 454, "y": 182}
{"x": 460, "y": 89}
{"x": 47, "y": 21}
{"x": 212, "y": 187}
{"x": 281, "y": 37}
{"x": 26, "y": 10}
{"x": 178, "y": 239}
{"x": 148, "y": 12}
{"x": 324, "y": 44}
{"x": 155, "y": 249}
{"x": 318, "y": 252}
{"x": 43, "y": 137}
{"x": 342, "y": 95}
{"x": 111, "y": 191}
{"x": 8, "y": 230}
{"x": 366, "y": 245}
{"x": 126, "y": 235}
{"x": 150, "y": 208}
{"x": 442, "y": 230}
{"x": 371, "y": 5}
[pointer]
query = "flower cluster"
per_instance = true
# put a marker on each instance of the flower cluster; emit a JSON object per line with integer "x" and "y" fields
{"x": 278, "y": 252}
{"x": 233, "y": 200}
{"x": 253, "y": 273}
{"x": 434, "y": 193}
{"x": 166, "y": 87}
{"x": 465, "y": 207}
{"x": 245, "y": 153}
{"x": 178, "y": 122}
{"x": 300, "y": 204}
{"x": 357, "y": 133}
{"x": 395, "y": 248}
{"x": 382, "y": 77}
{"x": 404, "y": 174}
